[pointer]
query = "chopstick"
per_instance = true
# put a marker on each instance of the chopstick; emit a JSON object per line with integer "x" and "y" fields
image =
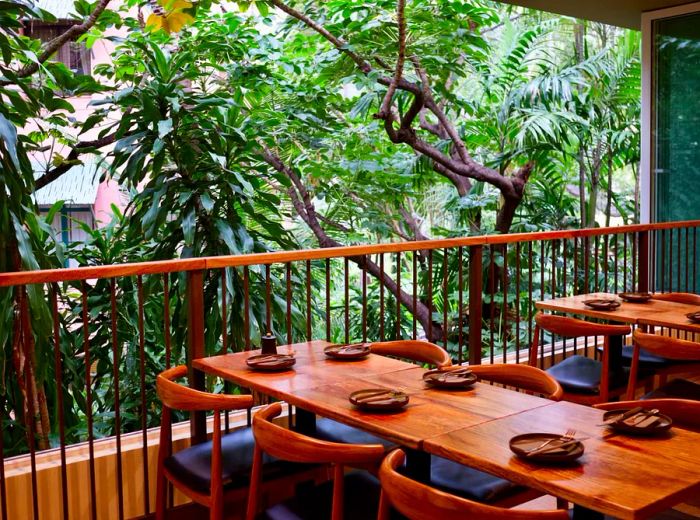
{"x": 381, "y": 394}
{"x": 629, "y": 413}
{"x": 554, "y": 447}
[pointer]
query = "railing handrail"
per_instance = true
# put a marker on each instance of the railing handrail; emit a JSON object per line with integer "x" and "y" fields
{"x": 272, "y": 257}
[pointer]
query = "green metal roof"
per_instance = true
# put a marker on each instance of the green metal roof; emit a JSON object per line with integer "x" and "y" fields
{"x": 77, "y": 187}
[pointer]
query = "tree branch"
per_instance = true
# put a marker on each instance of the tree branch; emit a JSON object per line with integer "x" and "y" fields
{"x": 54, "y": 45}
{"x": 389, "y": 96}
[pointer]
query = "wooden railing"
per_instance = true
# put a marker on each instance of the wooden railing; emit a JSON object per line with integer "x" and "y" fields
{"x": 112, "y": 328}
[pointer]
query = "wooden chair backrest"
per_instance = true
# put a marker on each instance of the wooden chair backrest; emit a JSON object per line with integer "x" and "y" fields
{"x": 684, "y": 412}
{"x": 566, "y": 327}
{"x": 523, "y": 377}
{"x": 667, "y": 347}
{"x": 420, "y": 502}
{"x": 415, "y": 350}
{"x": 679, "y": 297}
{"x": 178, "y": 397}
{"x": 291, "y": 446}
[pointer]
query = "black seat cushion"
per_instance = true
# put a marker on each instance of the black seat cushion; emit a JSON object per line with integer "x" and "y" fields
{"x": 581, "y": 375}
{"x": 646, "y": 358}
{"x": 676, "y": 389}
{"x": 361, "y": 501}
{"x": 470, "y": 483}
{"x": 330, "y": 430}
{"x": 192, "y": 465}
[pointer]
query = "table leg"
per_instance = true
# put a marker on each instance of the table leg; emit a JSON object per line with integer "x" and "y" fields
{"x": 417, "y": 465}
{"x": 582, "y": 513}
{"x": 305, "y": 422}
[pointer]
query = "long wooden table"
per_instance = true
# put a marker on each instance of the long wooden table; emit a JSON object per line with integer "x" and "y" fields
{"x": 655, "y": 313}
{"x": 617, "y": 475}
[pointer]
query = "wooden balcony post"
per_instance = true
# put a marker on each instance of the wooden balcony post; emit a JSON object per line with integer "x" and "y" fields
{"x": 476, "y": 263}
{"x": 643, "y": 262}
{"x": 195, "y": 347}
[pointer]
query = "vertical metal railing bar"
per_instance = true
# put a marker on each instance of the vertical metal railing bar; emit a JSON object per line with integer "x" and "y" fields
{"x": 25, "y": 330}
{"x": 381, "y": 297}
{"x": 268, "y": 300}
{"x": 687, "y": 252}
{"x": 563, "y": 290}
{"x": 246, "y": 307}
{"x": 288, "y": 317}
{"x": 663, "y": 260}
{"x": 635, "y": 260}
{"x": 504, "y": 315}
{"x": 552, "y": 278}
{"x": 430, "y": 295}
{"x": 117, "y": 406}
{"x": 617, "y": 258}
{"x": 364, "y": 300}
{"x": 3, "y": 487}
{"x": 542, "y": 297}
{"x": 328, "y": 299}
{"x": 492, "y": 303}
{"x": 88, "y": 399}
{"x": 144, "y": 415}
{"x": 460, "y": 305}
{"x": 346, "y": 299}
{"x": 625, "y": 287}
{"x": 224, "y": 335}
{"x": 530, "y": 306}
{"x": 575, "y": 285}
{"x": 606, "y": 263}
{"x": 166, "y": 320}
{"x": 596, "y": 256}
{"x": 695, "y": 259}
{"x": 476, "y": 302}
{"x": 517, "y": 301}
{"x": 415, "y": 291}
{"x": 445, "y": 297}
{"x": 679, "y": 261}
{"x": 309, "y": 317}
{"x": 398, "y": 297}
{"x": 58, "y": 372}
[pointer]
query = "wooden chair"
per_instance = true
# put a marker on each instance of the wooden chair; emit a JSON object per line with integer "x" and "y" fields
{"x": 418, "y": 501}
{"x": 472, "y": 484}
{"x": 684, "y": 412}
{"x": 678, "y": 297}
{"x": 414, "y": 350}
{"x": 291, "y": 446}
{"x": 206, "y": 472}
{"x": 687, "y": 353}
{"x": 584, "y": 380}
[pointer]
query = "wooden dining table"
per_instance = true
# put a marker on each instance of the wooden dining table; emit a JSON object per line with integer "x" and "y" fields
{"x": 617, "y": 475}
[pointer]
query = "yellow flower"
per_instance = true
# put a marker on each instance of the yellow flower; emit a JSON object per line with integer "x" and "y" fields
{"x": 174, "y": 19}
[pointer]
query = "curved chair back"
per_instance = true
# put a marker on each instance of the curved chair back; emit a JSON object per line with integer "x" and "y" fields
{"x": 679, "y": 297}
{"x": 178, "y": 397}
{"x": 420, "y": 502}
{"x": 684, "y": 412}
{"x": 522, "y": 377}
{"x": 291, "y": 446}
{"x": 415, "y": 350}
{"x": 664, "y": 346}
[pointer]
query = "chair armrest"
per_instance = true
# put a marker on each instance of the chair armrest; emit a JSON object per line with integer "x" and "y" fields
{"x": 178, "y": 397}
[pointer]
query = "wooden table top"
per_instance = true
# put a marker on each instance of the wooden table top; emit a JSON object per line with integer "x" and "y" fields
{"x": 656, "y": 313}
{"x": 627, "y": 477}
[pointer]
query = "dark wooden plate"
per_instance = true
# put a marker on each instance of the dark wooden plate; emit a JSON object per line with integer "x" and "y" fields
{"x": 348, "y": 352}
{"x": 460, "y": 378}
{"x": 662, "y": 425}
{"x": 522, "y": 444}
{"x": 635, "y": 297}
{"x": 271, "y": 362}
{"x": 602, "y": 304}
{"x": 693, "y": 316}
{"x": 379, "y": 399}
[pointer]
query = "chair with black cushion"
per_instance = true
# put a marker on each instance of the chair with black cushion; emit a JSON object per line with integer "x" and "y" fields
{"x": 652, "y": 362}
{"x": 206, "y": 472}
{"x": 675, "y": 350}
{"x": 473, "y": 484}
{"x": 685, "y": 413}
{"x": 415, "y": 350}
{"x": 584, "y": 380}
{"x": 348, "y": 496}
{"x": 417, "y": 501}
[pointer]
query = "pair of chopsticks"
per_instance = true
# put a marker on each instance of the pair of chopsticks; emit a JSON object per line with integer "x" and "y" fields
{"x": 379, "y": 395}
{"x": 642, "y": 418}
{"x": 271, "y": 358}
{"x": 555, "y": 446}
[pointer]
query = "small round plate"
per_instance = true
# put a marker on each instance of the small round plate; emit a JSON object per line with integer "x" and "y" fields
{"x": 521, "y": 445}
{"x": 663, "y": 423}
{"x": 602, "y": 304}
{"x": 459, "y": 378}
{"x": 635, "y": 297}
{"x": 379, "y": 399}
{"x": 348, "y": 352}
{"x": 271, "y": 362}
{"x": 693, "y": 316}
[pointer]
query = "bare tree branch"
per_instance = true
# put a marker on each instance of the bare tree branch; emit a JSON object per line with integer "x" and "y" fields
{"x": 389, "y": 96}
{"x": 53, "y": 45}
